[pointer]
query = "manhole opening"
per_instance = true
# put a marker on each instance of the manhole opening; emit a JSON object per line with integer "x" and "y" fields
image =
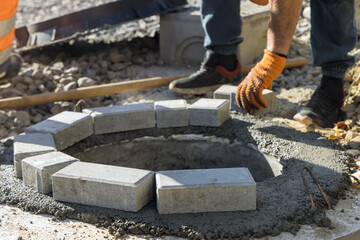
{"x": 183, "y": 152}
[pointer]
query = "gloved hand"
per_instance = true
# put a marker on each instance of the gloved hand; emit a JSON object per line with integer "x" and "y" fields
{"x": 260, "y": 2}
{"x": 249, "y": 92}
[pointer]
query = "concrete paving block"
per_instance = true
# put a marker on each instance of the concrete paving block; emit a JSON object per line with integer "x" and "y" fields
{"x": 269, "y": 96}
{"x": 66, "y": 127}
{"x": 122, "y": 117}
{"x": 224, "y": 92}
{"x": 209, "y": 112}
{"x": 182, "y": 35}
{"x": 37, "y": 170}
{"x": 171, "y": 113}
{"x": 205, "y": 190}
{"x": 32, "y": 144}
{"x": 122, "y": 188}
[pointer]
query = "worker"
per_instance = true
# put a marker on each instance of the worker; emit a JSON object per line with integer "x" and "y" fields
{"x": 333, "y": 35}
{"x": 10, "y": 64}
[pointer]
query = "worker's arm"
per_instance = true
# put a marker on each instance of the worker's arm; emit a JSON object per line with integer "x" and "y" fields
{"x": 284, "y": 15}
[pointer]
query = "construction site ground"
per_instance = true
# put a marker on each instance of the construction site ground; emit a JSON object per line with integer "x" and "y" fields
{"x": 17, "y": 224}
{"x": 101, "y": 58}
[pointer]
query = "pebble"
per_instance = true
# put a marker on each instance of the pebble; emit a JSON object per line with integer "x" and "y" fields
{"x": 58, "y": 66}
{"x": 3, "y": 117}
{"x": 37, "y": 73}
{"x": 22, "y": 119}
{"x": 28, "y": 71}
{"x": 85, "y": 82}
{"x": 3, "y": 132}
{"x": 42, "y": 88}
{"x": 27, "y": 80}
{"x": 69, "y": 86}
{"x": 21, "y": 86}
{"x": 120, "y": 66}
{"x": 56, "y": 70}
{"x": 116, "y": 57}
{"x": 71, "y": 70}
{"x": 66, "y": 80}
{"x": 67, "y": 106}
{"x": 307, "y": 12}
{"x": 111, "y": 75}
{"x": 8, "y": 142}
{"x": 37, "y": 118}
{"x": 50, "y": 85}
{"x": 355, "y": 143}
{"x": 353, "y": 152}
{"x": 350, "y": 135}
{"x": 56, "y": 109}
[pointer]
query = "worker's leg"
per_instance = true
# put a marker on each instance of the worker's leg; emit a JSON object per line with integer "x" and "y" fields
{"x": 333, "y": 35}
{"x": 222, "y": 25}
{"x": 9, "y": 64}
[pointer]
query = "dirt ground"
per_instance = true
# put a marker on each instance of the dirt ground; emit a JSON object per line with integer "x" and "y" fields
{"x": 16, "y": 224}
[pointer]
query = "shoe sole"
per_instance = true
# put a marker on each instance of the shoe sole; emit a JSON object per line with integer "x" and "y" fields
{"x": 201, "y": 90}
{"x": 303, "y": 119}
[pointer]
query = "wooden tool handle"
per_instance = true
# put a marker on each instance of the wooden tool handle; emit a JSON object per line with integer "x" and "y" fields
{"x": 290, "y": 63}
{"x": 111, "y": 88}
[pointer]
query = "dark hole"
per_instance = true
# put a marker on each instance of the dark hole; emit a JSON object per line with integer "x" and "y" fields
{"x": 184, "y": 152}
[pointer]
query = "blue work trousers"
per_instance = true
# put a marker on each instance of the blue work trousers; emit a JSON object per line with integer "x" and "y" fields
{"x": 333, "y": 31}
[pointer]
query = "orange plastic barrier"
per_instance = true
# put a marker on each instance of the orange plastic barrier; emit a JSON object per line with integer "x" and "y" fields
{"x": 7, "y": 40}
{"x": 8, "y": 9}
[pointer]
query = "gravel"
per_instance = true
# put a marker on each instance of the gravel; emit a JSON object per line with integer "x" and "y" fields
{"x": 125, "y": 53}
{"x": 33, "y": 11}
{"x": 121, "y": 54}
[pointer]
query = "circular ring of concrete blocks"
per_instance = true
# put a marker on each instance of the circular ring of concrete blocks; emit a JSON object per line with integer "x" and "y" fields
{"x": 130, "y": 189}
{"x": 44, "y": 157}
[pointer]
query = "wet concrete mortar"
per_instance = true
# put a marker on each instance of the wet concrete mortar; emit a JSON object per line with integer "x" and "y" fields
{"x": 282, "y": 203}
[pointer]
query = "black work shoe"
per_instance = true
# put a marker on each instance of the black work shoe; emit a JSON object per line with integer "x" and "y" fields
{"x": 216, "y": 70}
{"x": 11, "y": 67}
{"x": 321, "y": 110}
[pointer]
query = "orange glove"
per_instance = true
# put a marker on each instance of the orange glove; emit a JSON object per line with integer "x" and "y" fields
{"x": 260, "y": 2}
{"x": 249, "y": 92}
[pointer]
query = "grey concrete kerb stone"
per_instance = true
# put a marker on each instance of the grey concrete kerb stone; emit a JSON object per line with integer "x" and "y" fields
{"x": 44, "y": 168}
{"x": 229, "y": 92}
{"x": 205, "y": 190}
{"x": 122, "y": 118}
{"x": 270, "y": 98}
{"x": 171, "y": 113}
{"x": 209, "y": 112}
{"x": 102, "y": 185}
{"x": 67, "y": 128}
{"x": 28, "y": 145}
{"x": 37, "y": 170}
